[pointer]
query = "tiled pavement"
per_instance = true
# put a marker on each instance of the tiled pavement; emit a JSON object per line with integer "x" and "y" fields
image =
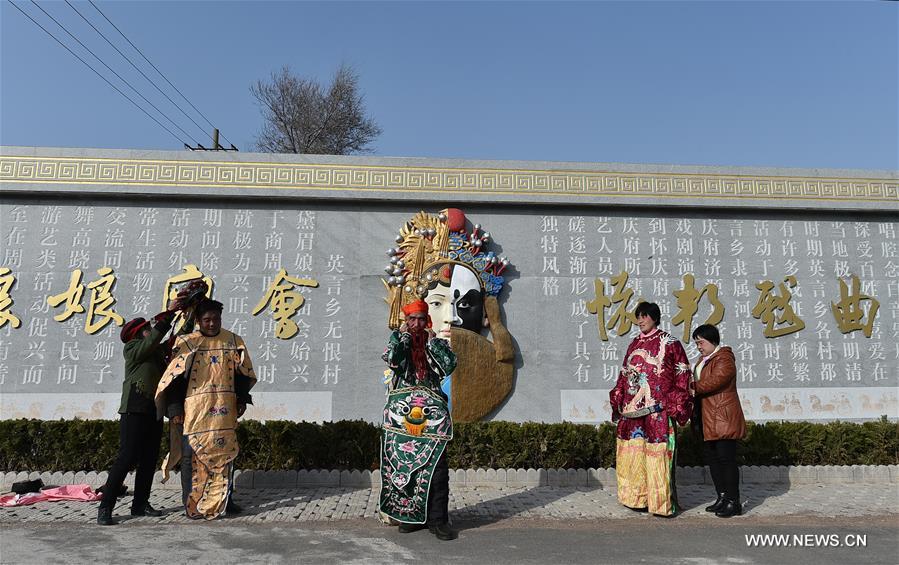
{"x": 491, "y": 504}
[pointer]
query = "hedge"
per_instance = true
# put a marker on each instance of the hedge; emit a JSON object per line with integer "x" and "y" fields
{"x": 86, "y": 445}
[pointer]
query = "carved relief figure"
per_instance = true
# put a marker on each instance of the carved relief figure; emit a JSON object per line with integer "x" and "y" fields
{"x": 747, "y": 406}
{"x": 890, "y": 402}
{"x": 844, "y": 407}
{"x": 869, "y": 406}
{"x": 817, "y": 406}
{"x": 768, "y": 407}
{"x": 794, "y": 408}
{"x": 439, "y": 260}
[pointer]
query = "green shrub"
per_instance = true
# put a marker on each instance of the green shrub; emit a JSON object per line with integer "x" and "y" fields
{"x": 82, "y": 445}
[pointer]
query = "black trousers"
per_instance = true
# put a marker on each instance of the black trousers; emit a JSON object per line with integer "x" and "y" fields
{"x": 721, "y": 456}
{"x": 139, "y": 436}
{"x": 438, "y": 497}
{"x": 187, "y": 469}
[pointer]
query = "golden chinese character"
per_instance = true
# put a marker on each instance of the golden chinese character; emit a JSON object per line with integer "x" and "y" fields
{"x": 769, "y": 303}
{"x": 72, "y": 297}
{"x": 284, "y": 302}
{"x": 7, "y": 280}
{"x": 101, "y": 302}
{"x": 170, "y": 290}
{"x": 688, "y": 303}
{"x": 621, "y": 295}
{"x": 849, "y": 312}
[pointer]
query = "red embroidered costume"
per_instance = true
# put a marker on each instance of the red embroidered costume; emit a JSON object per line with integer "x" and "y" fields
{"x": 653, "y": 391}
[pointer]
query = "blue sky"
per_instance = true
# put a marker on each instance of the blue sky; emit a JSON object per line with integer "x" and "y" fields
{"x": 807, "y": 84}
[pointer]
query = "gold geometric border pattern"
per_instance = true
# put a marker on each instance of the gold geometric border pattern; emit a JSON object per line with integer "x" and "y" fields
{"x": 95, "y": 171}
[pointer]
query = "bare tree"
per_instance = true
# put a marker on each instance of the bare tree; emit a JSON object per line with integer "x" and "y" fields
{"x": 302, "y": 116}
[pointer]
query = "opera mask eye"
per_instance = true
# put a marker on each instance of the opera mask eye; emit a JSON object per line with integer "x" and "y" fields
{"x": 470, "y": 310}
{"x": 404, "y": 409}
{"x": 427, "y": 410}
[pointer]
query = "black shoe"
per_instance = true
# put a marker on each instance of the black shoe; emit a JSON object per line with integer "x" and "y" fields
{"x": 443, "y": 532}
{"x": 145, "y": 510}
{"x": 644, "y": 509}
{"x": 729, "y": 508}
{"x": 104, "y": 517}
{"x": 232, "y": 507}
{"x": 717, "y": 504}
{"x": 409, "y": 528}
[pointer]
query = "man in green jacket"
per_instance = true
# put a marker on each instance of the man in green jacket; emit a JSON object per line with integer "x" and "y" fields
{"x": 140, "y": 430}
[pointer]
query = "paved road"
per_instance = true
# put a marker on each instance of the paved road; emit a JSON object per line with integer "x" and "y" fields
{"x": 497, "y": 525}
{"x": 640, "y": 539}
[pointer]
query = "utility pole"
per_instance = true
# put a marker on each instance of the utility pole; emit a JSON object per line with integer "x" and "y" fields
{"x": 215, "y": 144}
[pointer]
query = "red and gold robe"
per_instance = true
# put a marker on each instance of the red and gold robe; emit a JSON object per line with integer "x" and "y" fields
{"x": 653, "y": 392}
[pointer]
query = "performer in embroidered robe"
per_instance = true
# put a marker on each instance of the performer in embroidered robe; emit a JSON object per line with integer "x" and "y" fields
{"x": 206, "y": 387}
{"x": 652, "y": 394}
{"x": 417, "y": 427}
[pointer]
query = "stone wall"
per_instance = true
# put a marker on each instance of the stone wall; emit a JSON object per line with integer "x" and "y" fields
{"x": 765, "y": 249}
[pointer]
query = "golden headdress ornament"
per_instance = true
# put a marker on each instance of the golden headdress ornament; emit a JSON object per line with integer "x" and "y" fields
{"x": 427, "y": 246}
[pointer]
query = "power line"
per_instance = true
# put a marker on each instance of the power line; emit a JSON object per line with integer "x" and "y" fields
{"x": 66, "y": 47}
{"x": 156, "y": 68}
{"x": 179, "y": 128}
{"x": 133, "y": 65}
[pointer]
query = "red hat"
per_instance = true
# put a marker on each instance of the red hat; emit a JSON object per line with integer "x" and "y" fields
{"x": 132, "y": 329}
{"x": 417, "y": 307}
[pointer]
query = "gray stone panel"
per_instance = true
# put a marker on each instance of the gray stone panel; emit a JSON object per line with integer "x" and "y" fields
{"x": 558, "y": 245}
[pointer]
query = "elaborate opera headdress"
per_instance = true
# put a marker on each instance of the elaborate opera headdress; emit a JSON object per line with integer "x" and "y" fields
{"x": 428, "y": 246}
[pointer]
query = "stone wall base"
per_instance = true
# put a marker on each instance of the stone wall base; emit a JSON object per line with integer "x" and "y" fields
{"x": 491, "y": 478}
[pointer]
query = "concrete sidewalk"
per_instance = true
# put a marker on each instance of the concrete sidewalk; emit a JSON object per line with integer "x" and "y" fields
{"x": 493, "y": 504}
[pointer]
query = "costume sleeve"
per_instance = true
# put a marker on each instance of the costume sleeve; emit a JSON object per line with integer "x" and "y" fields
{"x": 398, "y": 352}
{"x": 163, "y": 320}
{"x": 616, "y": 395}
{"x": 442, "y": 357}
{"x": 245, "y": 377}
{"x": 189, "y": 320}
{"x": 172, "y": 386}
{"x": 679, "y": 403}
{"x": 245, "y": 367}
{"x": 174, "y": 396}
{"x": 722, "y": 370}
{"x": 242, "y": 386}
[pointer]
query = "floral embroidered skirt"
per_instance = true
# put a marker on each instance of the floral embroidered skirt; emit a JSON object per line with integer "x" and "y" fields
{"x": 417, "y": 427}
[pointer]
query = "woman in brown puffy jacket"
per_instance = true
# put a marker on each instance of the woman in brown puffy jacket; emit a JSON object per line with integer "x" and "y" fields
{"x": 723, "y": 424}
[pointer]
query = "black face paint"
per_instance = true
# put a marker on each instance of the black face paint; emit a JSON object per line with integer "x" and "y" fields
{"x": 470, "y": 309}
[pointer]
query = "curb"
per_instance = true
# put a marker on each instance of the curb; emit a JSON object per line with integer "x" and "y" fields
{"x": 489, "y": 478}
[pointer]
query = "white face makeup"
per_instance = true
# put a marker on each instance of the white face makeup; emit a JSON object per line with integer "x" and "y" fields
{"x": 450, "y": 305}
